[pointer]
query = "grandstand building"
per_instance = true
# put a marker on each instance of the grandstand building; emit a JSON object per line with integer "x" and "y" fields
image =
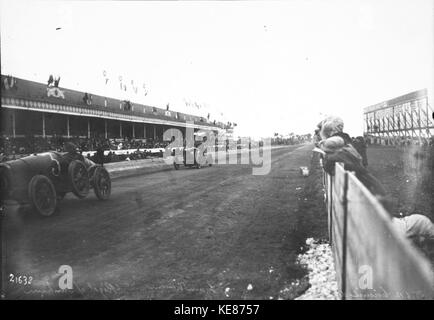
{"x": 35, "y": 109}
{"x": 409, "y": 116}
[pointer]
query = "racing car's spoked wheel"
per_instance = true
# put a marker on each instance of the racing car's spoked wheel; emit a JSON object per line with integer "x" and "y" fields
{"x": 176, "y": 165}
{"x": 101, "y": 182}
{"x": 42, "y": 195}
{"x": 79, "y": 178}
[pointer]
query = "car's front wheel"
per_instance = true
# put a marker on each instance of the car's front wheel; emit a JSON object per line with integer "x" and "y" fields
{"x": 79, "y": 178}
{"x": 101, "y": 183}
{"x": 42, "y": 195}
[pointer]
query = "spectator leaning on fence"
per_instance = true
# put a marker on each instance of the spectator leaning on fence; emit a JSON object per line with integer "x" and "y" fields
{"x": 416, "y": 227}
{"x": 337, "y": 147}
{"x": 332, "y": 127}
{"x": 337, "y": 151}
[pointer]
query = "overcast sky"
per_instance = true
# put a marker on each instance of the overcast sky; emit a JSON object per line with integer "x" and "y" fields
{"x": 268, "y": 66}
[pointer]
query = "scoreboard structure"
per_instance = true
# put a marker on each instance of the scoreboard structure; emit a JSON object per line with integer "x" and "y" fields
{"x": 408, "y": 116}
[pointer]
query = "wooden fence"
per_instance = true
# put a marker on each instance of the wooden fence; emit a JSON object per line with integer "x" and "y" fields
{"x": 372, "y": 260}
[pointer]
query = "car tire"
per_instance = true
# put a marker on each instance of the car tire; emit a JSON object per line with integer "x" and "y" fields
{"x": 42, "y": 195}
{"x": 79, "y": 178}
{"x": 101, "y": 182}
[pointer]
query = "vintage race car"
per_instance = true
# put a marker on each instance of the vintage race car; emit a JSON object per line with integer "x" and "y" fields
{"x": 44, "y": 179}
{"x": 188, "y": 158}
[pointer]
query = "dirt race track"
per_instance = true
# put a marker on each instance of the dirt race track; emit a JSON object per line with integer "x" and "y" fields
{"x": 186, "y": 234}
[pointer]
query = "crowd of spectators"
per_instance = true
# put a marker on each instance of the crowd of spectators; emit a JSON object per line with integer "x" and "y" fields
{"x": 14, "y": 148}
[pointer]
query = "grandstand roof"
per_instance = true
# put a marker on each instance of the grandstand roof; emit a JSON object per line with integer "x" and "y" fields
{"x": 23, "y": 93}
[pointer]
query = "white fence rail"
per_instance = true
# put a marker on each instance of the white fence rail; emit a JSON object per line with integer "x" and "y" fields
{"x": 372, "y": 260}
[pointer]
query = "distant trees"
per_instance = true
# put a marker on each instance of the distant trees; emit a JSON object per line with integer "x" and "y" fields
{"x": 290, "y": 139}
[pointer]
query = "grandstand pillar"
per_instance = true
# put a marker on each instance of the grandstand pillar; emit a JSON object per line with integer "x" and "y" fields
{"x": 43, "y": 125}
{"x": 155, "y": 132}
{"x": 419, "y": 123}
{"x": 134, "y": 132}
{"x": 67, "y": 127}
{"x": 105, "y": 128}
{"x": 88, "y": 128}
{"x": 13, "y": 123}
{"x": 120, "y": 129}
{"x": 144, "y": 131}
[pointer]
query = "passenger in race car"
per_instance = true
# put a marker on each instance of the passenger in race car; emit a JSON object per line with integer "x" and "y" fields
{"x": 71, "y": 154}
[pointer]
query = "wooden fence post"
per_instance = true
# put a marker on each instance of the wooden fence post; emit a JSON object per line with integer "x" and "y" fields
{"x": 330, "y": 209}
{"x": 344, "y": 236}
